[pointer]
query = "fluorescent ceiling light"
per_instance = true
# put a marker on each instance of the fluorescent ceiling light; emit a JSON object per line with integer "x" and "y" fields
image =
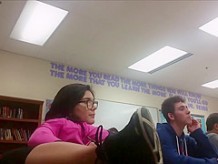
{"x": 211, "y": 27}
{"x": 159, "y": 59}
{"x": 37, "y": 22}
{"x": 212, "y": 84}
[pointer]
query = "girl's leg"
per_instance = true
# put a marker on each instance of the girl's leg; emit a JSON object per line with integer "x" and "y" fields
{"x": 62, "y": 153}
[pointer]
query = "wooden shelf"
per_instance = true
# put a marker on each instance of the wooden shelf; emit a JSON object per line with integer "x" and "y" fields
{"x": 19, "y": 120}
{"x": 19, "y": 117}
{"x": 13, "y": 141}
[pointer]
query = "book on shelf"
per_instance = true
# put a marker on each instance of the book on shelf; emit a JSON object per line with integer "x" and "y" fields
{"x": 15, "y": 134}
{"x": 7, "y": 112}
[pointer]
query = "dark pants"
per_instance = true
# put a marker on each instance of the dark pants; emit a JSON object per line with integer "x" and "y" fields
{"x": 16, "y": 156}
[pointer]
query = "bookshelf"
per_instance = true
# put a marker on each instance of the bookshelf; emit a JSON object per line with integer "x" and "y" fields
{"x": 18, "y": 119}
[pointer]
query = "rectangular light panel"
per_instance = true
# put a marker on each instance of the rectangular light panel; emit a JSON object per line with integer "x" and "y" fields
{"x": 159, "y": 59}
{"x": 37, "y": 22}
{"x": 212, "y": 84}
{"x": 211, "y": 27}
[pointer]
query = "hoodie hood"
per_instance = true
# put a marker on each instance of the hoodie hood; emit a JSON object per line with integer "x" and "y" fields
{"x": 161, "y": 127}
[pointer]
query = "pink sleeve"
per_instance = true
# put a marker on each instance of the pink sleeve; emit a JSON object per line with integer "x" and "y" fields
{"x": 47, "y": 132}
{"x": 91, "y": 131}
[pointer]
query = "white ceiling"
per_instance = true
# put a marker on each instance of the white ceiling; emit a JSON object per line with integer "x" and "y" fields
{"x": 109, "y": 36}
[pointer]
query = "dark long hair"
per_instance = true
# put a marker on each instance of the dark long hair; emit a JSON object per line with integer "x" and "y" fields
{"x": 66, "y": 99}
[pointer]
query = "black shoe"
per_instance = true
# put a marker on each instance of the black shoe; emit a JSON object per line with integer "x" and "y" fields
{"x": 137, "y": 143}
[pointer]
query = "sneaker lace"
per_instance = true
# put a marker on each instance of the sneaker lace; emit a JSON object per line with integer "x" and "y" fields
{"x": 99, "y": 142}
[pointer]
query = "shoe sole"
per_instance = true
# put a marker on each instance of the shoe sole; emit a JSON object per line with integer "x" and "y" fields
{"x": 150, "y": 134}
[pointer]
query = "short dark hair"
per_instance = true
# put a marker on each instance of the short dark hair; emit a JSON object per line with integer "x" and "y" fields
{"x": 168, "y": 105}
{"x": 66, "y": 99}
{"x": 211, "y": 120}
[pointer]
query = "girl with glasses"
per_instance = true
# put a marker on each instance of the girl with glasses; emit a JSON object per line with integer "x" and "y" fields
{"x": 70, "y": 117}
{"x": 68, "y": 136}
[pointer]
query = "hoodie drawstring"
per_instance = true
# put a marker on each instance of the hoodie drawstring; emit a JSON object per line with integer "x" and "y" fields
{"x": 180, "y": 146}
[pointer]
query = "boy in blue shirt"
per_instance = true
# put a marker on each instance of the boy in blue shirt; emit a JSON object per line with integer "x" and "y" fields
{"x": 176, "y": 146}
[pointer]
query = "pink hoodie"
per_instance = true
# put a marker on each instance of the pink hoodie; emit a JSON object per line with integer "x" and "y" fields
{"x": 62, "y": 129}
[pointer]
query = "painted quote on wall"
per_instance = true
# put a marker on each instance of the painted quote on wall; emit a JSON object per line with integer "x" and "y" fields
{"x": 194, "y": 100}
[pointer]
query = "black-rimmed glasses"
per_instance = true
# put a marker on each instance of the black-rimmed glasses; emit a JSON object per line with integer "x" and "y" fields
{"x": 90, "y": 104}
